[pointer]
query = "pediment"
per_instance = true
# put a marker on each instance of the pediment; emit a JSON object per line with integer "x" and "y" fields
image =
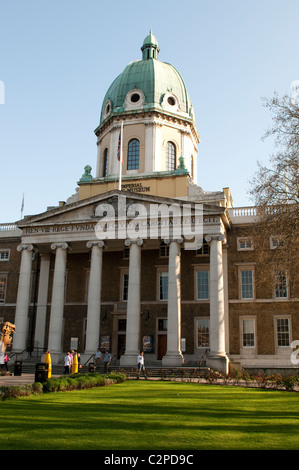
{"x": 87, "y": 210}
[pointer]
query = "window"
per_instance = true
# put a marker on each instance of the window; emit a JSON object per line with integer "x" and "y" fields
{"x": 125, "y": 285}
{"x": 275, "y": 242}
{"x": 203, "y": 285}
{"x": 162, "y": 324}
{"x": 281, "y": 288}
{"x": 170, "y": 156}
{"x": 203, "y": 333}
{"x": 105, "y": 163}
{"x": 204, "y": 250}
{"x": 283, "y": 332}
{"x": 4, "y": 255}
{"x": 133, "y": 154}
{"x": 246, "y": 277}
{"x": 3, "y": 285}
{"x": 248, "y": 327}
{"x": 164, "y": 250}
{"x": 122, "y": 324}
{"x": 244, "y": 244}
{"x": 163, "y": 284}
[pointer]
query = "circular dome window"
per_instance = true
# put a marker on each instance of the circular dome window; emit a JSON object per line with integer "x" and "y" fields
{"x": 107, "y": 109}
{"x": 135, "y": 97}
{"x": 171, "y": 100}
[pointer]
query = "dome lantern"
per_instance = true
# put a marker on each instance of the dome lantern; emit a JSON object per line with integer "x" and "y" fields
{"x": 150, "y": 48}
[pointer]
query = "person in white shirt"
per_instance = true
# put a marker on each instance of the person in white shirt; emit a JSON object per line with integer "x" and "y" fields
{"x": 67, "y": 363}
{"x": 140, "y": 365}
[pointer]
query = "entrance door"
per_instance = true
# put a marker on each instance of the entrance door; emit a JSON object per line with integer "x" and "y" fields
{"x": 162, "y": 346}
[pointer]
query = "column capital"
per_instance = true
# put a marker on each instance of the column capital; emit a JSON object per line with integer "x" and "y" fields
{"x": 130, "y": 242}
{"x": 24, "y": 246}
{"x": 167, "y": 241}
{"x": 64, "y": 246}
{"x": 219, "y": 237}
{"x": 98, "y": 243}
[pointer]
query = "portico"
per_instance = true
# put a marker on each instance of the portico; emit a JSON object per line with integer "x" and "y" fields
{"x": 66, "y": 233}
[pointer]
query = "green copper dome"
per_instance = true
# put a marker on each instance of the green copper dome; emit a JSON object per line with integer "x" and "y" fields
{"x": 147, "y": 84}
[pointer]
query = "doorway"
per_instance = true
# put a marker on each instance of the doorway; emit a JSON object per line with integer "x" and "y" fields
{"x": 162, "y": 346}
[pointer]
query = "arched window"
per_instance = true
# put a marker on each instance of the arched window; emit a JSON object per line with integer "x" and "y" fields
{"x": 170, "y": 156}
{"x": 133, "y": 154}
{"x": 105, "y": 163}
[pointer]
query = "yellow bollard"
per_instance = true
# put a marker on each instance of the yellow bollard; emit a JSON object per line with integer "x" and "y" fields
{"x": 48, "y": 360}
{"x": 75, "y": 364}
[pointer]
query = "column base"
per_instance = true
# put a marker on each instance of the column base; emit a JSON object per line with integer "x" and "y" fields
{"x": 128, "y": 360}
{"x": 172, "y": 360}
{"x": 217, "y": 362}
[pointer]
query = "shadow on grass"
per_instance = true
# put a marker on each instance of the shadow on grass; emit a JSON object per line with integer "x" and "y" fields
{"x": 148, "y": 415}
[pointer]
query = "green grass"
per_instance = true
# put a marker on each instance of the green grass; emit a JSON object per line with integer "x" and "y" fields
{"x": 152, "y": 415}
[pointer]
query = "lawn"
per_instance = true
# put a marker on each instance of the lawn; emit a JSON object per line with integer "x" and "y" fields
{"x": 153, "y": 415}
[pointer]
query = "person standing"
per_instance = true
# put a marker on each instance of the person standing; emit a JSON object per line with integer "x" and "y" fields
{"x": 107, "y": 360}
{"x": 67, "y": 363}
{"x": 140, "y": 365}
{"x": 97, "y": 358}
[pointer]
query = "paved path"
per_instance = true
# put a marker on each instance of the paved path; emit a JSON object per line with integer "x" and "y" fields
{"x": 7, "y": 380}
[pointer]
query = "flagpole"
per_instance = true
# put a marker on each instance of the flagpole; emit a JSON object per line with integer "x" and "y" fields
{"x": 121, "y": 155}
{"x": 22, "y": 207}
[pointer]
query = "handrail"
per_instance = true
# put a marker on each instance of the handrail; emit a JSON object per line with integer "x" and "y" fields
{"x": 88, "y": 360}
{"x": 17, "y": 353}
{"x": 203, "y": 357}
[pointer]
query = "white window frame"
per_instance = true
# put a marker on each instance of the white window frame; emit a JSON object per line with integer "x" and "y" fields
{"x": 281, "y": 298}
{"x": 280, "y": 349}
{"x": 205, "y": 268}
{"x": 248, "y": 241}
{"x": 275, "y": 242}
{"x": 248, "y": 318}
{"x": 2, "y": 254}
{"x": 240, "y": 270}
{"x": 3, "y": 276}
{"x": 196, "y": 320}
{"x": 161, "y": 271}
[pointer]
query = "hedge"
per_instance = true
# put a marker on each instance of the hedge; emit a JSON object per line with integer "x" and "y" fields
{"x": 61, "y": 384}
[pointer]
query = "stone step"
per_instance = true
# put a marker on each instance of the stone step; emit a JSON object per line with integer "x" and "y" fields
{"x": 58, "y": 369}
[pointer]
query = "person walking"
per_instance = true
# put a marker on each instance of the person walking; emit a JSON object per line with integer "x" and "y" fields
{"x": 67, "y": 363}
{"x": 6, "y": 359}
{"x": 140, "y": 365}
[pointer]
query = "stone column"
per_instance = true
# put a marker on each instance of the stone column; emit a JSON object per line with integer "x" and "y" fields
{"x": 129, "y": 358}
{"x": 217, "y": 357}
{"x": 94, "y": 297}
{"x": 42, "y": 299}
{"x": 57, "y": 304}
{"x": 174, "y": 355}
{"x": 23, "y": 298}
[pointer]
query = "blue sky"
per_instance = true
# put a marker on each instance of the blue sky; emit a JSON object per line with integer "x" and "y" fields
{"x": 57, "y": 59}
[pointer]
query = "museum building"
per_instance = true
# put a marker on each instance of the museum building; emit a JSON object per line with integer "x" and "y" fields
{"x": 141, "y": 257}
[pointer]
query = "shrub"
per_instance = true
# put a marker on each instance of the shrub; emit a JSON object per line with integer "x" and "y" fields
{"x": 290, "y": 382}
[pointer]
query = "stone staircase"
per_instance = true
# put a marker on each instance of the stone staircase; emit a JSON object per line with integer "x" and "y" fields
{"x": 28, "y": 366}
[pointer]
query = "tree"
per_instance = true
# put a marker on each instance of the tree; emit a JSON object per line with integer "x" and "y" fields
{"x": 275, "y": 191}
